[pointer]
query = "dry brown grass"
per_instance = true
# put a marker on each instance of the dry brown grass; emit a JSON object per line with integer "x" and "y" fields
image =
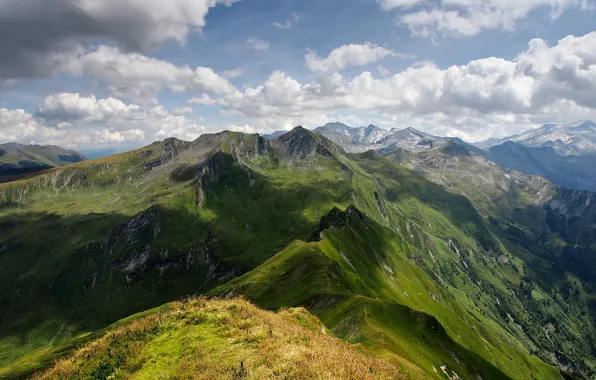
{"x": 222, "y": 339}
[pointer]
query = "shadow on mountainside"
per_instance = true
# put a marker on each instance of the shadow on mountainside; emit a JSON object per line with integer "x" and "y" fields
{"x": 61, "y": 275}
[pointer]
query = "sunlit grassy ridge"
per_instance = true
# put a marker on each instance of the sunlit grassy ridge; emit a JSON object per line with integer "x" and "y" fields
{"x": 221, "y": 339}
{"x": 421, "y": 279}
{"x": 359, "y": 280}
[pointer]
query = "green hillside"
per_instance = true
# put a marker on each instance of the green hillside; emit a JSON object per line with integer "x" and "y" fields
{"x": 384, "y": 257}
{"x": 18, "y": 160}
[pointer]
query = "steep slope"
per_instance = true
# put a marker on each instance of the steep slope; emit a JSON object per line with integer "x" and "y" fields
{"x": 217, "y": 339}
{"x": 365, "y": 283}
{"x": 17, "y": 159}
{"x": 578, "y": 138}
{"x": 96, "y": 241}
{"x": 551, "y": 230}
{"x": 575, "y": 172}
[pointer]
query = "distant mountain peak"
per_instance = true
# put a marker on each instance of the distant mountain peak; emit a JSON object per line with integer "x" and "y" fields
{"x": 302, "y": 143}
{"x": 17, "y": 159}
{"x": 578, "y": 138}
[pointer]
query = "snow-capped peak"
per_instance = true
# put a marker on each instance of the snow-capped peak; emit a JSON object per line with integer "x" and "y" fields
{"x": 577, "y": 138}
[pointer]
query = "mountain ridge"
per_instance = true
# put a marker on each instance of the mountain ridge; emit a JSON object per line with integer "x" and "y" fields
{"x": 132, "y": 231}
{"x": 16, "y": 159}
{"x": 578, "y": 138}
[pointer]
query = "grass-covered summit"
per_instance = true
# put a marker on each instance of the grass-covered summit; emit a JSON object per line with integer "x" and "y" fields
{"x": 220, "y": 339}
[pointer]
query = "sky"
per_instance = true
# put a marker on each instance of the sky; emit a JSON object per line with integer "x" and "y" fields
{"x": 120, "y": 74}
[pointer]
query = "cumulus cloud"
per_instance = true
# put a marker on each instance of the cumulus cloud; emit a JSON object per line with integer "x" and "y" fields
{"x": 468, "y": 18}
{"x": 184, "y": 110}
{"x": 346, "y": 56}
{"x": 233, "y": 73}
{"x": 202, "y": 100}
{"x": 484, "y": 97}
{"x": 136, "y": 76}
{"x": 75, "y": 120}
{"x": 41, "y": 34}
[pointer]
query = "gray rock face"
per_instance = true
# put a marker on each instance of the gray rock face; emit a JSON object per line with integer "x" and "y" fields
{"x": 382, "y": 140}
{"x": 336, "y": 218}
{"x": 301, "y": 143}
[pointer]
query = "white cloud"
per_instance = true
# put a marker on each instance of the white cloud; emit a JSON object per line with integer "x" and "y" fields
{"x": 484, "y": 97}
{"x": 184, "y": 110}
{"x": 75, "y": 120}
{"x": 234, "y": 73}
{"x": 391, "y": 4}
{"x": 257, "y": 44}
{"x": 203, "y": 100}
{"x": 38, "y": 32}
{"x": 136, "y": 76}
{"x": 346, "y": 56}
{"x": 470, "y": 17}
{"x": 68, "y": 107}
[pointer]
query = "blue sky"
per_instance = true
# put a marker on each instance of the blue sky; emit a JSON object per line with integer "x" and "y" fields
{"x": 122, "y": 73}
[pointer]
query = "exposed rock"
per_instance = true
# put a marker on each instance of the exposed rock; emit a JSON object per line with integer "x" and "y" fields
{"x": 301, "y": 143}
{"x": 336, "y": 218}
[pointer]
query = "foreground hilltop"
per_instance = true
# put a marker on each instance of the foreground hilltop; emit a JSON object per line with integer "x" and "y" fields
{"x": 420, "y": 275}
{"x": 221, "y": 339}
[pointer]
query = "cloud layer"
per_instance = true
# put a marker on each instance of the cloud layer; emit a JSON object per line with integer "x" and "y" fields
{"x": 41, "y": 34}
{"x": 543, "y": 83}
{"x": 479, "y": 99}
{"x": 470, "y": 17}
{"x": 75, "y": 120}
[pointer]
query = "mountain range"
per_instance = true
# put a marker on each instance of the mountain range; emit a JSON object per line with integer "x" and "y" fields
{"x": 562, "y": 154}
{"x": 16, "y": 159}
{"x": 423, "y": 251}
{"x": 578, "y": 138}
{"x": 374, "y": 138}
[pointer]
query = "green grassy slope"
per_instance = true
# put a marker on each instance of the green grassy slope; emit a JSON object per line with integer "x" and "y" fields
{"x": 550, "y": 230}
{"x": 361, "y": 282}
{"x": 93, "y": 242}
{"x": 18, "y": 160}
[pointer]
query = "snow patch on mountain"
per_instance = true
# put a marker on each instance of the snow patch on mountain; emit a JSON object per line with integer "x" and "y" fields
{"x": 374, "y": 138}
{"x": 577, "y": 138}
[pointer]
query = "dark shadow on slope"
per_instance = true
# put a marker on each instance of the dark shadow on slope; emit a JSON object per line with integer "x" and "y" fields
{"x": 554, "y": 243}
{"x": 81, "y": 272}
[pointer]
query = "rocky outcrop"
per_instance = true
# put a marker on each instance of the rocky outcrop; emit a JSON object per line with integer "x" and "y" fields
{"x": 338, "y": 219}
{"x": 301, "y": 143}
{"x": 160, "y": 153}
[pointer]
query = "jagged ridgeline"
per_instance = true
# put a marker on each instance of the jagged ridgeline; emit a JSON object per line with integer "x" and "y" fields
{"x": 381, "y": 255}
